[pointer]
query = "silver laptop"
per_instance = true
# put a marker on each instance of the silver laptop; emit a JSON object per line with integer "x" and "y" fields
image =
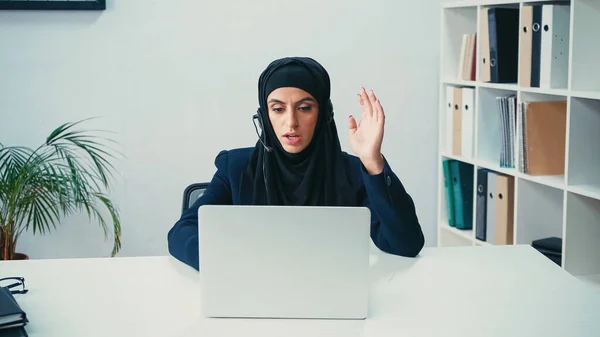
{"x": 284, "y": 261}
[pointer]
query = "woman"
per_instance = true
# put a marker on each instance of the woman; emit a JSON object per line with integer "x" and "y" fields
{"x": 298, "y": 161}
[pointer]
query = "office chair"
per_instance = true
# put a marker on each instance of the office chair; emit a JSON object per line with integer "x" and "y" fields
{"x": 191, "y": 194}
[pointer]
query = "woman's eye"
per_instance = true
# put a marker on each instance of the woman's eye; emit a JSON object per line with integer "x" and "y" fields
{"x": 277, "y": 109}
{"x": 306, "y": 108}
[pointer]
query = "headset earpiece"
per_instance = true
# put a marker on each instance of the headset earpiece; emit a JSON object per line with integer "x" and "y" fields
{"x": 330, "y": 106}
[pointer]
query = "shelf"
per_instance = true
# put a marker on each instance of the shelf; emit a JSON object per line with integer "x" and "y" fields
{"x": 459, "y": 158}
{"x": 582, "y": 235}
{"x": 460, "y": 83}
{"x": 553, "y": 92}
{"x": 489, "y": 137}
{"x": 501, "y": 86}
{"x": 590, "y": 191}
{"x": 456, "y": 22}
{"x": 539, "y": 213}
{"x": 585, "y": 46}
{"x": 495, "y": 167}
{"x": 584, "y": 145}
{"x": 449, "y": 238}
{"x": 560, "y": 194}
{"x": 465, "y": 233}
{"x": 471, "y": 3}
{"x": 555, "y": 181}
{"x": 586, "y": 94}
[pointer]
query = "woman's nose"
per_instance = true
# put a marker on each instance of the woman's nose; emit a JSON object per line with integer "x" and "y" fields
{"x": 291, "y": 119}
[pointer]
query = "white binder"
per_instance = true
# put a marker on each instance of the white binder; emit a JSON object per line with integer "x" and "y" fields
{"x": 449, "y": 118}
{"x": 554, "y": 60}
{"x": 468, "y": 116}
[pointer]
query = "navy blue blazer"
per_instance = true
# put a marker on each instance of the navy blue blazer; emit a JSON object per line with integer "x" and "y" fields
{"x": 395, "y": 227}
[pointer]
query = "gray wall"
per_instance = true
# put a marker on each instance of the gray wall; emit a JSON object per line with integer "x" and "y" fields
{"x": 176, "y": 79}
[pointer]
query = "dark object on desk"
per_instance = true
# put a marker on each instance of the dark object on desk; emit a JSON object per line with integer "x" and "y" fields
{"x": 14, "y": 332}
{"x": 551, "y": 247}
{"x": 53, "y": 5}
{"x": 11, "y": 314}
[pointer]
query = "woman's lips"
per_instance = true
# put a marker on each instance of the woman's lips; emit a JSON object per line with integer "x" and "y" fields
{"x": 292, "y": 139}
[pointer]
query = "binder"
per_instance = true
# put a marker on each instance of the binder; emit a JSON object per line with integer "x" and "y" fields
{"x": 484, "y": 45}
{"x": 11, "y": 314}
{"x": 501, "y": 116}
{"x": 473, "y": 58}
{"x": 457, "y": 122}
{"x": 449, "y": 118}
{"x": 522, "y": 144}
{"x": 525, "y": 46}
{"x": 449, "y": 191}
{"x": 462, "y": 186}
{"x": 545, "y": 126}
{"x": 504, "y": 210}
{"x": 512, "y": 122}
{"x": 463, "y": 53}
{"x": 468, "y": 116}
{"x": 554, "y": 61}
{"x": 536, "y": 45}
{"x": 504, "y": 44}
{"x": 467, "y": 63}
{"x": 490, "y": 216}
{"x": 481, "y": 204}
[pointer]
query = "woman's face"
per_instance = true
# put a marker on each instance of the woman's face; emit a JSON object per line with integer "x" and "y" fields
{"x": 293, "y": 114}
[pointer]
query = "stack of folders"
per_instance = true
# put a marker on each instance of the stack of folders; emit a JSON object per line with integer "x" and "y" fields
{"x": 544, "y": 46}
{"x": 506, "y": 107}
{"x": 12, "y": 318}
{"x": 541, "y": 129}
{"x": 499, "y": 42}
{"x": 494, "y": 207}
{"x": 458, "y": 182}
{"x": 459, "y": 121}
{"x": 467, "y": 60}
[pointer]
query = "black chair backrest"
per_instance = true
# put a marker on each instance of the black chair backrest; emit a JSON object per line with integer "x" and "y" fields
{"x": 191, "y": 194}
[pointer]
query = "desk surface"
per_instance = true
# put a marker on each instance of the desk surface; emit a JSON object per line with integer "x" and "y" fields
{"x": 458, "y": 291}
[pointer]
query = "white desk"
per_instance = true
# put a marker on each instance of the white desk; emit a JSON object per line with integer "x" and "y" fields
{"x": 517, "y": 292}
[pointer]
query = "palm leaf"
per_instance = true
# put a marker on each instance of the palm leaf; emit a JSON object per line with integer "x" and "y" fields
{"x": 65, "y": 175}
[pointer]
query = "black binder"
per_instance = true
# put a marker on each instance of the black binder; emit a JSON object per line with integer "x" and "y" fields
{"x": 536, "y": 46}
{"x": 11, "y": 314}
{"x": 504, "y": 44}
{"x": 481, "y": 204}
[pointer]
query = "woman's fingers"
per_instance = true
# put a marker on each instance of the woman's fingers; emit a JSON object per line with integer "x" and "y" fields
{"x": 366, "y": 103}
{"x": 380, "y": 115}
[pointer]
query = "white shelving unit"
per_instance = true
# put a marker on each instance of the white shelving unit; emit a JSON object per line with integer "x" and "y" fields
{"x": 565, "y": 206}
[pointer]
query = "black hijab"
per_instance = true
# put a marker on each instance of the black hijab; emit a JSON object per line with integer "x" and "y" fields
{"x": 314, "y": 176}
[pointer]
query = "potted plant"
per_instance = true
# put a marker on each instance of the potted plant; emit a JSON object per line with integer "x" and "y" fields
{"x": 69, "y": 173}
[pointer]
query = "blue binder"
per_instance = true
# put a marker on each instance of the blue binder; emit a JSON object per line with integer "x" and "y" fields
{"x": 536, "y": 45}
{"x": 504, "y": 27}
{"x": 462, "y": 186}
{"x": 449, "y": 192}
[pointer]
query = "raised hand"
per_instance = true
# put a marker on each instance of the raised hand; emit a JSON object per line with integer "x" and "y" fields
{"x": 366, "y": 136}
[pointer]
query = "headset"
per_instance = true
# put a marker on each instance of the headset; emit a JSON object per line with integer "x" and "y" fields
{"x": 255, "y": 117}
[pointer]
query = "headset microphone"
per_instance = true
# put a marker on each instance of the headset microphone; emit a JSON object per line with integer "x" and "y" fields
{"x": 267, "y": 148}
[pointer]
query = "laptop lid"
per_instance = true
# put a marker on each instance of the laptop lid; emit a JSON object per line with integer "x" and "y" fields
{"x": 284, "y": 261}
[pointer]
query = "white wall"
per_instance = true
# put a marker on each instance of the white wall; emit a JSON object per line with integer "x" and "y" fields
{"x": 177, "y": 80}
